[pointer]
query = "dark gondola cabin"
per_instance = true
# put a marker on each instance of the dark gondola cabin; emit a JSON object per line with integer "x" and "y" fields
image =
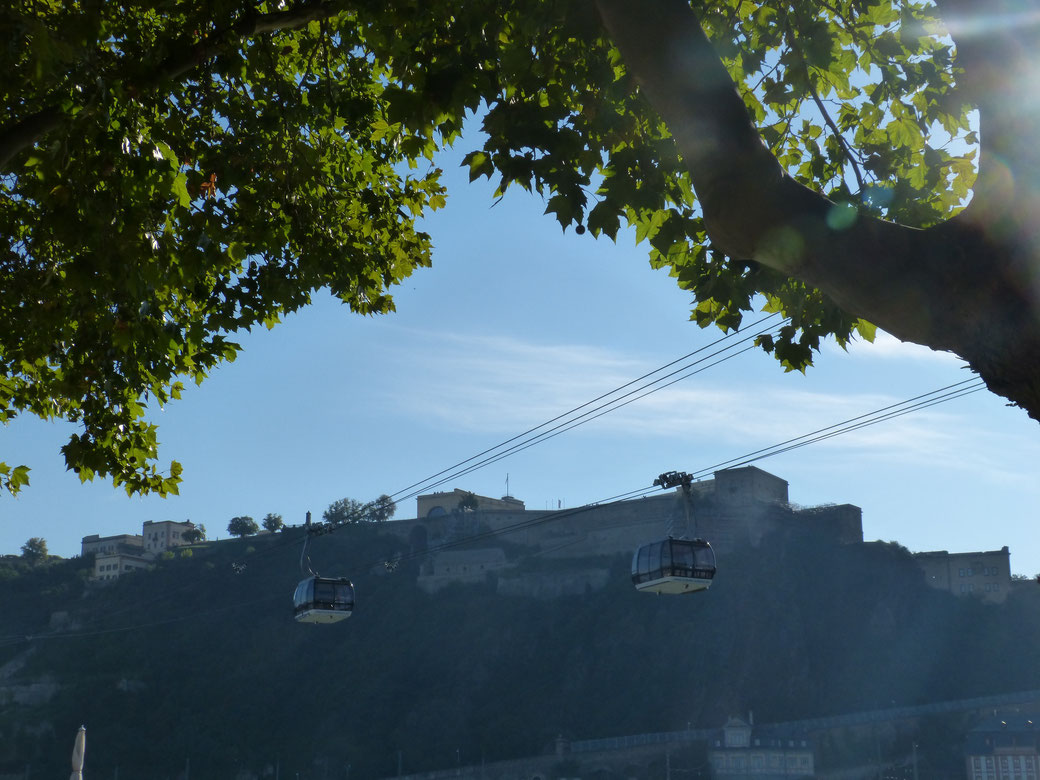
{"x": 673, "y": 566}
{"x": 323, "y": 599}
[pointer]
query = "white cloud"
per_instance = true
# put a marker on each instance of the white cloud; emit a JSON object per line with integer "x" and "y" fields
{"x": 503, "y": 386}
{"x": 496, "y": 388}
{"x": 887, "y": 347}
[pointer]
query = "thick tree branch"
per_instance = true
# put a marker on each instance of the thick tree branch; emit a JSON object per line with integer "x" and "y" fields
{"x": 752, "y": 208}
{"x": 188, "y": 55}
{"x": 998, "y": 48}
{"x": 24, "y": 133}
{"x": 953, "y": 287}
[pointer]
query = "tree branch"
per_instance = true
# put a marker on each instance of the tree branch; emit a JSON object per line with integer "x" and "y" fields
{"x": 188, "y": 56}
{"x": 24, "y": 133}
{"x": 966, "y": 285}
{"x": 752, "y": 208}
{"x": 845, "y": 148}
{"x": 998, "y": 48}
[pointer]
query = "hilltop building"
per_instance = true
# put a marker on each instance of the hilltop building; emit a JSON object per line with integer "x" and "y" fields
{"x": 117, "y": 555}
{"x": 736, "y": 508}
{"x": 983, "y": 574}
{"x": 106, "y": 545}
{"x": 162, "y": 535}
{"x": 438, "y": 504}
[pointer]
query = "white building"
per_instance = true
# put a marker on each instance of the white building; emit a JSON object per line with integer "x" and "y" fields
{"x": 114, "y": 556}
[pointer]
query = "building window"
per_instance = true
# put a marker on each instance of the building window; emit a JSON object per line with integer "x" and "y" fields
{"x": 961, "y": 572}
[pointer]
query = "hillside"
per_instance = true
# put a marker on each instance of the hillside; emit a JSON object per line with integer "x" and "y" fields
{"x": 195, "y": 662}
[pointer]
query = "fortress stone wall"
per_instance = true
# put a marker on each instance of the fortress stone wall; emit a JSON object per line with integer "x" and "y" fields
{"x": 737, "y": 508}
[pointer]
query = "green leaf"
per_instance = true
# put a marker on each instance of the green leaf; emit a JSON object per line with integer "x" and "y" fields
{"x": 237, "y": 251}
{"x": 866, "y": 330}
{"x": 180, "y": 189}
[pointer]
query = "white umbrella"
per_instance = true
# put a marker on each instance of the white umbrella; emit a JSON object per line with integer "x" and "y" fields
{"x": 79, "y": 749}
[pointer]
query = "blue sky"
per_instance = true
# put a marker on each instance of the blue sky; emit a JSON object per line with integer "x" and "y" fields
{"x": 515, "y": 324}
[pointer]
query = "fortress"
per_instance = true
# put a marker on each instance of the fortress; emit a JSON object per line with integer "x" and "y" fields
{"x": 738, "y": 507}
{"x": 469, "y": 537}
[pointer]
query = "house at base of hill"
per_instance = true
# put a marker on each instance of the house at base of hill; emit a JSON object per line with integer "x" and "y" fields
{"x": 740, "y": 750}
{"x": 1004, "y": 747}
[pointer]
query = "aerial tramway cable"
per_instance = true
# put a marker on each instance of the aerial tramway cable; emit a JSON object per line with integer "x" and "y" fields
{"x": 525, "y": 440}
{"x": 916, "y": 403}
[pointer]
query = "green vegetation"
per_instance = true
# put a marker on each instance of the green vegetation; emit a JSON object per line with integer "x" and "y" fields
{"x": 350, "y": 510}
{"x": 272, "y": 522}
{"x": 172, "y": 175}
{"x": 195, "y": 535}
{"x": 158, "y": 663}
{"x": 468, "y": 502}
{"x": 35, "y": 550}
{"x": 243, "y": 526}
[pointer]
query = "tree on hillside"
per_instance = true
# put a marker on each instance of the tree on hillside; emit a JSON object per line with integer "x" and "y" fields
{"x": 350, "y": 510}
{"x": 272, "y": 522}
{"x": 468, "y": 503}
{"x": 242, "y": 526}
{"x": 35, "y": 550}
{"x": 195, "y": 534}
{"x": 345, "y": 510}
{"x": 382, "y": 509}
{"x": 170, "y": 177}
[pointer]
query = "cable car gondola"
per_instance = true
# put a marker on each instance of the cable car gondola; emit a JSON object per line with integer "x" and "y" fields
{"x": 323, "y": 599}
{"x": 673, "y": 566}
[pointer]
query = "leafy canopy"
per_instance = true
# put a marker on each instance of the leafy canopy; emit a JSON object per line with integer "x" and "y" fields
{"x": 272, "y": 522}
{"x": 174, "y": 173}
{"x": 35, "y": 549}
{"x": 243, "y": 526}
{"x": 350, "y": 510}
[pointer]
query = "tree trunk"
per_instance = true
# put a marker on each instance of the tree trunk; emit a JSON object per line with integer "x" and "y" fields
{"x": 970, "y": 285}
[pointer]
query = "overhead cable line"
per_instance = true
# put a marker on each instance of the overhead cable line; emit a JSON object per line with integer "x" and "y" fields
{"x": 567, "y": 421}
{"x": 581, "y": 420}
{"x": 523, "y": 525}
{"x": 421, "y": 485}
{"x": 923, "y": 401}
{"x": 450, "y": 473}
{"x": 957, "y": 390}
